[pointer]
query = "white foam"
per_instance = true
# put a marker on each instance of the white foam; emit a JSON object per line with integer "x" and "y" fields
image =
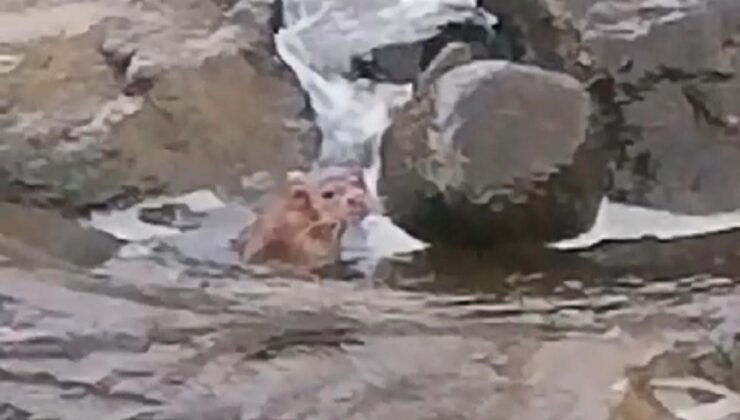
{"x": 622, "y": 221}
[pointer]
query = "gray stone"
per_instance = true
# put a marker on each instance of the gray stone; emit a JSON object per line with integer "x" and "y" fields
{"x": 676, "y": 102}
{"x": 123, "y": 99}
{"x": 494, "y": 151}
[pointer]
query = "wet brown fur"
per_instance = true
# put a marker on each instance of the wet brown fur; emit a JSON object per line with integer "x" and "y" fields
{"x": 305, "y": 218}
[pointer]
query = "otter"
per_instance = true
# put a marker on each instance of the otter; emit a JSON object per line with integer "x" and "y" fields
{"x": 305, "y": 218}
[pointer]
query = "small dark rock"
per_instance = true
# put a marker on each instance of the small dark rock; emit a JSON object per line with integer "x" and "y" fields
{"x": 178, "y": 216}
{"x": 398, "y": 63}
{"x": 537, "y": 32}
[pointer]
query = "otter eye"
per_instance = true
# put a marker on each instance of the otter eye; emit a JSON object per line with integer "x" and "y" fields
{"x": 327, "y": 195}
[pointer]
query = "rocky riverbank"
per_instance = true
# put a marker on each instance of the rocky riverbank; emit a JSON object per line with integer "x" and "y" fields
{"x": 136, "y": 134}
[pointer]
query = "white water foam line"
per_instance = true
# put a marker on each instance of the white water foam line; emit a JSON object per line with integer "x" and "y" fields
{"x": 616, "y": 221}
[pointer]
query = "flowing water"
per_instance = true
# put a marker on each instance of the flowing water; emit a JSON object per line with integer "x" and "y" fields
{"x": 173, "y": 327}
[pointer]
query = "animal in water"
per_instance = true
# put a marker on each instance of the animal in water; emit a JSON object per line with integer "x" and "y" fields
{"x": 305, "y": 218}
{"x": 342, "y": 193}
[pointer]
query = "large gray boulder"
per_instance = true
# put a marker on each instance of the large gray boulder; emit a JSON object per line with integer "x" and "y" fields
{"x": 494, "y": 151}
{"x": 99, "y": 100}
{"x": 676, "y": 66}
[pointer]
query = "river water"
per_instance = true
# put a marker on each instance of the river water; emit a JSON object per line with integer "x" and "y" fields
{"x": 172, "y": 327}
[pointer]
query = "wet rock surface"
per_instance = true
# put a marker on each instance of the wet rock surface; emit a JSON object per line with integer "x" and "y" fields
{"x": 110, "y": 99}
{"x": 658, "y": 104}
{"x": 676, "y": 102}
{"x": 496, "y": 151}
{"x": 155, "y": 340}
{"x": 172, "y": 327}
{"x": 144, "y": 312}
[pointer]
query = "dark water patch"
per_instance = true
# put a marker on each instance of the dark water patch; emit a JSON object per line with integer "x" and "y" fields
{"x": 497, "y": 270}
{"x": 332, "y": 337}
{"x": 714, "y": 254}
{"x": 649, "y": 267}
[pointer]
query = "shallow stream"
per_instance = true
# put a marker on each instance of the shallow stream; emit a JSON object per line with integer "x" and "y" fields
{"x": 172, "y": 327}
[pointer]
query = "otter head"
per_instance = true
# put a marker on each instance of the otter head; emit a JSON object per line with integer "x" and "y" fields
{"x": 342, "y": 194}
{"x": 304, "y": 223}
